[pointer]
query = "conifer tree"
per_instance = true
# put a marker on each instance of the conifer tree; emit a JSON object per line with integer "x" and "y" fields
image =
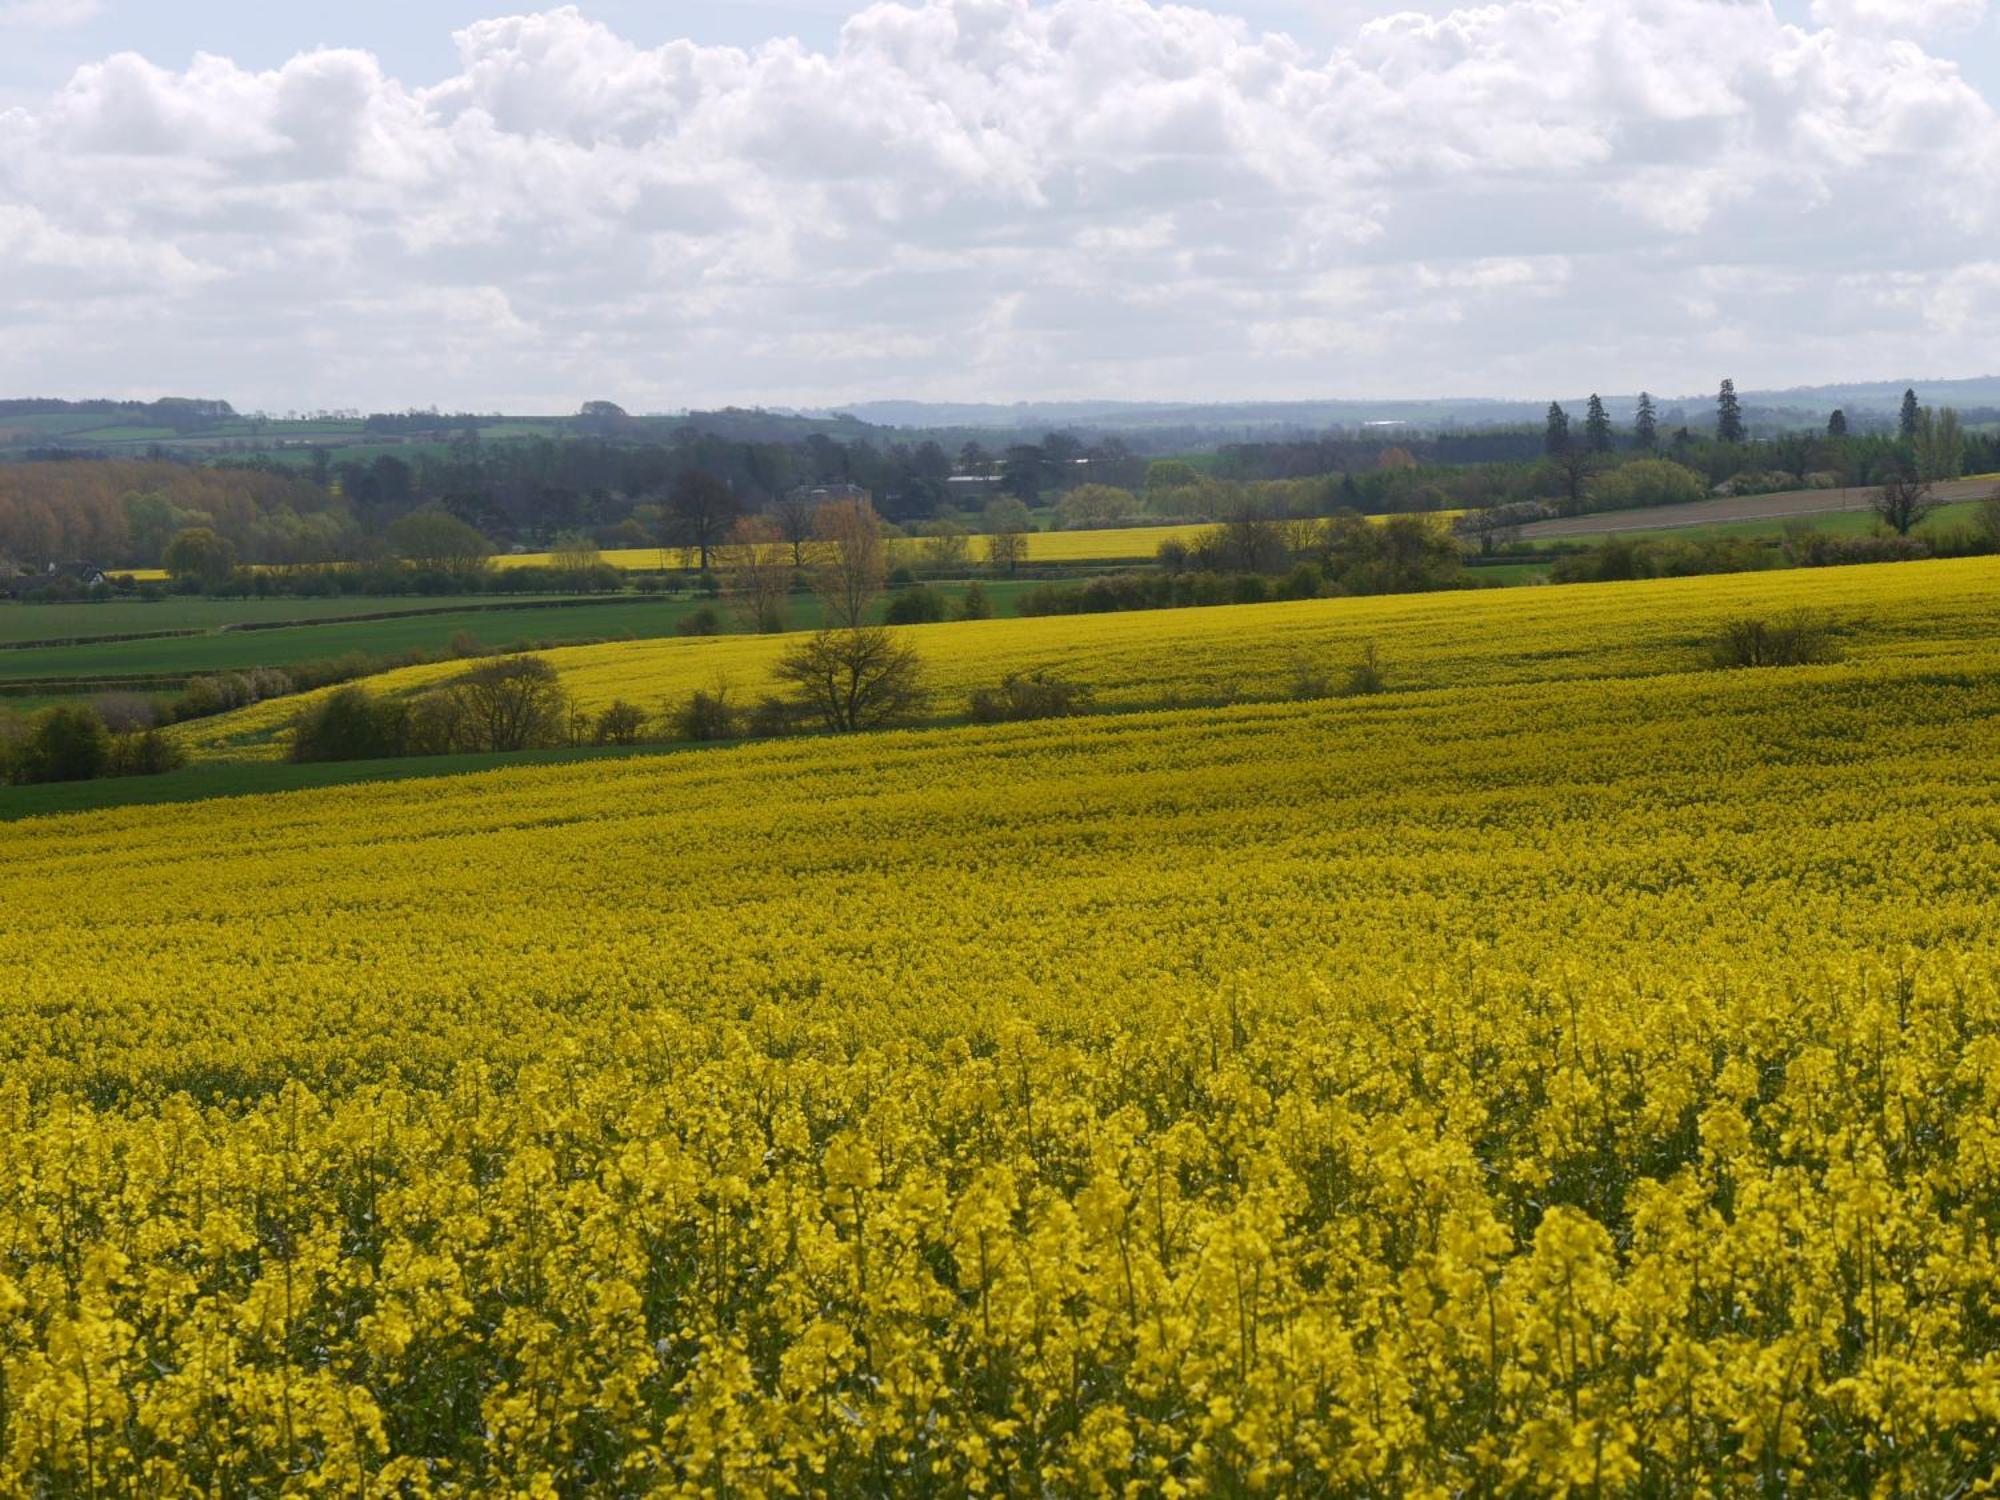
{"x": 1728, "y": 414}
{"x": 1555, "y": 440}
{"x": 1646, "y": 423}
{"x": 1597, "y": 426}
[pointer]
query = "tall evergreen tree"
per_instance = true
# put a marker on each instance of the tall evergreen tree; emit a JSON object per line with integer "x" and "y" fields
{"x": 1910, "y": 411}
{"x": 1646, "y": 423}
{"x": 1728, "y": 414}
{"x": 1836, "y": 425}
{"x": 1596, "y": 426}
{"x": 1555, "y": 440}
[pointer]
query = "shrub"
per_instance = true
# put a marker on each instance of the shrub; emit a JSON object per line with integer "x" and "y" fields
{"x": 1797, "y": 639}
{"x": 145, "y": 752}
{"x": 1310, "y": 679}
{"x": 975, "y": 605}
{"x": 703, "y": 621}
{"x": 349, "y": 724}
{"x": 437, "y": 725}
{"x": 1034, "y": 695}
{"x": 707, "y": 715}
{"x": 1367, "y": 676}
{"x": 64, "y": 743}
{"x": 922, "y": 605}
{"x": 620, "y": 723}
{"x": 771, "y": 717}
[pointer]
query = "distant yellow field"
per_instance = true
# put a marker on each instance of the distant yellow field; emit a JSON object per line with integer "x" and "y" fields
{"x": 1158, "y": 657}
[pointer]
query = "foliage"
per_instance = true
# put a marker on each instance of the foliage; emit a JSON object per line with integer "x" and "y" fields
{"x": 64, "y": 743}
{"x": 921, "y": 605}
{"x": 707, "y": 714}
{"x": 619, "y": 723}
{"x": 349, "y": 723}
{"x": 435, "y": 541}
{"x": 863, "y": 678}
{"x": 1647, "y": 481}
{"x": 1798, "y": 638}
{"x": 197, "y": 557}
{"x": 1030, "y": 695}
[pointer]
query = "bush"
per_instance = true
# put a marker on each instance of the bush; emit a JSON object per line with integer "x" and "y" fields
{"x": 1035, "y": 695}
{"x": 922, "y": 605}
{"x": 1367, "y": 676}
{"x": 1645, "y": 482}
{"x": 975, "y": 605}
{"x": 772, "y": 717}
{"x": 64, "y": 743}
{"x": 1806, "y": 548}
{"x": 707, "y": 716}
{"x": 144, "y": 753}
{"x": 1797, "y": 639}
{"x": 1310, "y": 679}
{"x": 620, "y": 723}
{"x": 704, "y": 621}
{"x": 349, "y": 724}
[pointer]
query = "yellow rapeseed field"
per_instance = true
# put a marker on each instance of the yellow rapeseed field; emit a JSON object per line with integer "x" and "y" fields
{"x": 1564, "y": 1074}
{"x": 1161, "y": 658}
{"x": 1113, "y": 544}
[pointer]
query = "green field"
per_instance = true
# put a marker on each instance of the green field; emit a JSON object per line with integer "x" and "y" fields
{"x": 568, "y": 621}
{"x": 1831, "y": 523}
{"x": 63, "y": 622}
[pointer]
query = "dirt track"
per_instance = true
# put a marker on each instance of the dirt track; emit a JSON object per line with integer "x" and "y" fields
{"x": 1735, "y": 508}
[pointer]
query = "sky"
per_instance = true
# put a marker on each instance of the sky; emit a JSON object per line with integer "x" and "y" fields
{"x": 818, "y": 202}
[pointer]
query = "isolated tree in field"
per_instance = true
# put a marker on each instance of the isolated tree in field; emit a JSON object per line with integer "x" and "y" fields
{"x": 198, "y": 555}
{"x": 700, "y": 511}
{"x": 1646, "y": 424}
{"x": 1555, "y": 436}
{"x": 792, "y": 512}
{"x": 435, "y": 541}
{"x": 1908, "y": 421}
{"x": 514, "y": 703}
{"x": 575, "y": 556}
{"x": 856, "y": 679}
{"x": 1902, "y": 502}
{"x": 1836, "y": 425}
{"x": 1006, "y": 551}
{"x": 852, "y": 560}
{"x": 1596, "y": 426}
{"x": 1728, "y": 415}
{"x": 756, "y": 561}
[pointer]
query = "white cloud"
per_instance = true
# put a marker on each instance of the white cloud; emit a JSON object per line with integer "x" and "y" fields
{"x": 1900, "y": 17}
{"x": 973, "y": 198}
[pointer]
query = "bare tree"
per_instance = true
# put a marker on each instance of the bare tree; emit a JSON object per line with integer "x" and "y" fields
{"x": 947, "y": 547}
{"x": 852, "y": 561}
{"x": 1007, "y": 550}
{"x": 758, "y": 572}
{"x": 1902, "y": 502}
{"x": 513, "y": 703}
{"x": 856, "y": 679}
{"x": 700, "y": 508}
{"x": 793, "y": 513}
